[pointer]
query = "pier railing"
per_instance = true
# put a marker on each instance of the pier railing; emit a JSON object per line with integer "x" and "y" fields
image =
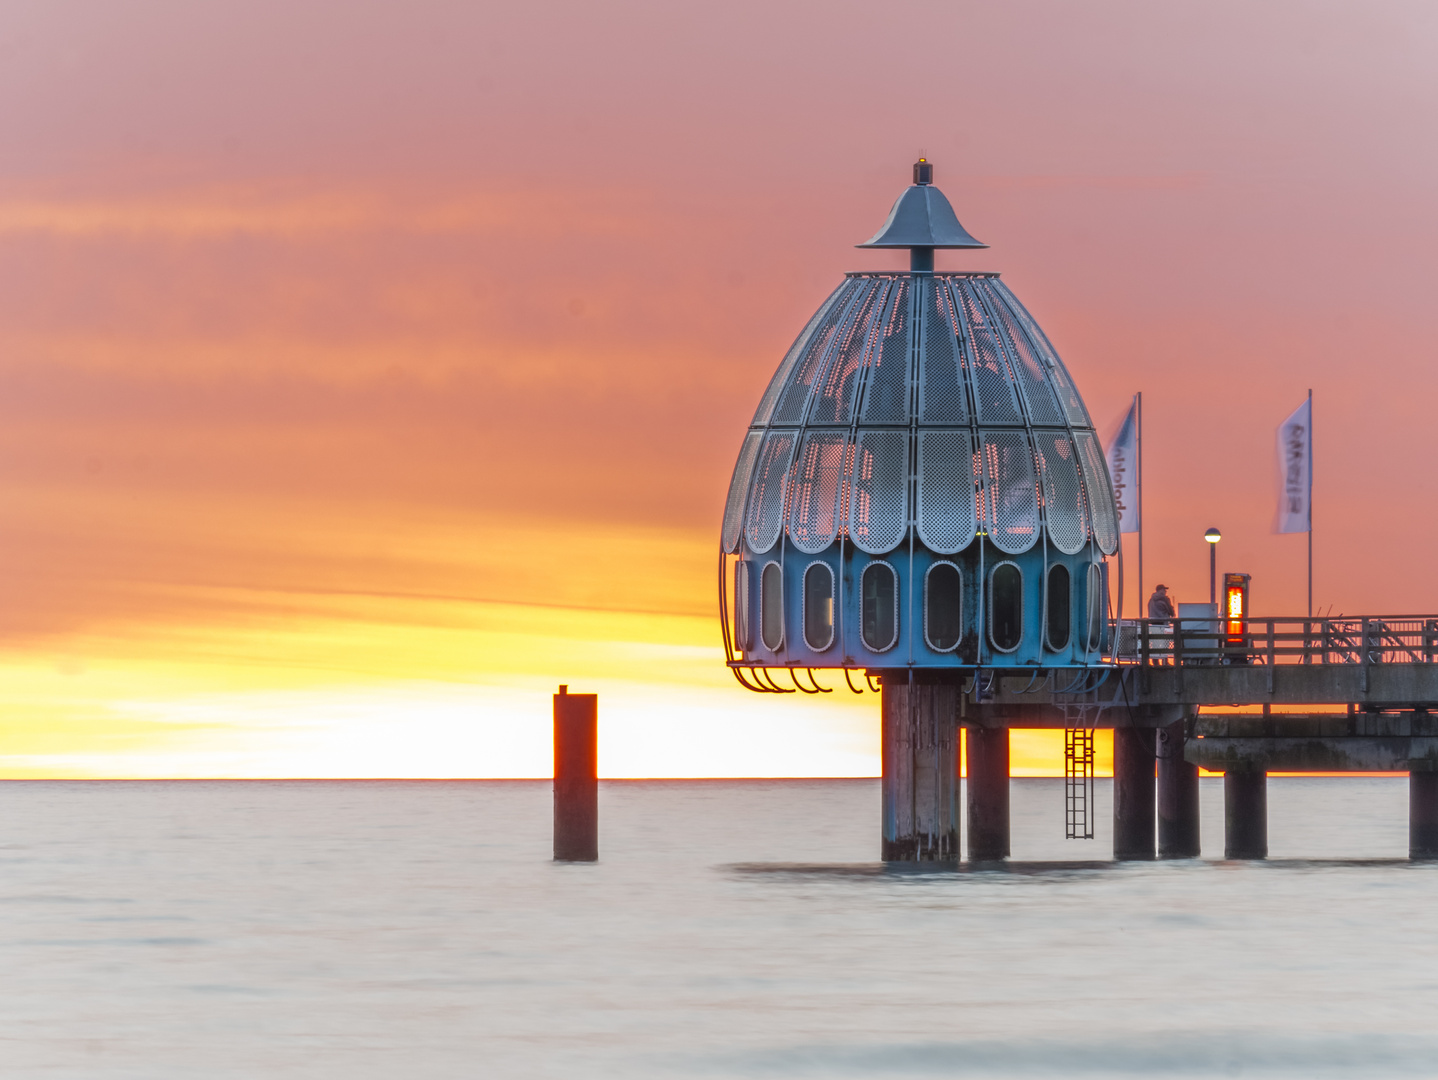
{"x": 1368, "y": 639}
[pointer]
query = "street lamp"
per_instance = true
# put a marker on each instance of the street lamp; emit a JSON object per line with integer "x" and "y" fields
{"x": 1213, "y": 536}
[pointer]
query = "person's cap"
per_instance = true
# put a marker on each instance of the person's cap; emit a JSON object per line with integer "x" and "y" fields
{"x": 1157, "y": 587}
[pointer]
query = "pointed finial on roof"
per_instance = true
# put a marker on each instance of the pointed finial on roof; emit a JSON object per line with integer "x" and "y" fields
{"x": 922, "y": 219}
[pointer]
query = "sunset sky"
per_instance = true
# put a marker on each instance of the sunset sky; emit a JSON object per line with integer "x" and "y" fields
{"x": 367, "y": 369}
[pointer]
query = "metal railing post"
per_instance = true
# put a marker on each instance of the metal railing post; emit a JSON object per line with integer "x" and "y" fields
{"x": 1364, "y": 658}
{"x": 1271, "y": 656}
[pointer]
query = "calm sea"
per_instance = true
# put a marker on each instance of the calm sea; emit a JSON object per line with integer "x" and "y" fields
{"x": 732, "y": 929}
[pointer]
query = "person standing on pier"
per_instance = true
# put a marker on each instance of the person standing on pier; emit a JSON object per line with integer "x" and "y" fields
{"x": 1160, "y": 607}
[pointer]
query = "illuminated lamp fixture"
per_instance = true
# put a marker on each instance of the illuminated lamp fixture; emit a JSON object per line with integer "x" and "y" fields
{"x": 1213, "y": 536}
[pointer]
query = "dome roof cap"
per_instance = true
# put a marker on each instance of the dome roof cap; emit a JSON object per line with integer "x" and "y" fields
{"x": 922, "y": 218}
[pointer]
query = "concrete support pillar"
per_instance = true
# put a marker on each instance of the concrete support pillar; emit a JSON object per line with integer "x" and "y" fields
{"x": 1245, "y": 814}
{"x": 576, "y": 776}
{"x": 920, "y": 755}
{"x": 988, "y": 784}
{"x": 1133, "y": 791}
{"x": 1423, "y": 815}
{"x": 1177, "y": 796}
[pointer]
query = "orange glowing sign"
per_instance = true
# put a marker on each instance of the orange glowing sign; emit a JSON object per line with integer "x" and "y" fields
{"x": 1235, "y": 606}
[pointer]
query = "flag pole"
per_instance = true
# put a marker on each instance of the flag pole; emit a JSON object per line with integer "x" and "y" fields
{"x": 1138, "y": 410}
{"x": 1310, "y": 503}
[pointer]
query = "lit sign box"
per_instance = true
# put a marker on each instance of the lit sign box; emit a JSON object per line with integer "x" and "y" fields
{"x": 1235, "y": 609}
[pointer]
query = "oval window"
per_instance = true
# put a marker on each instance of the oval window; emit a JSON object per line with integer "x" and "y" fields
{"x": 742, "y": 625}
{"x": 818, "y": 606}
{"x": 1006, "y": 607}
{"x": 1095, "y": 607}
{"x": 879, "y": 607}
{"x": 943, "y": 607}
{"x": 1058, "y": 614}
{"x": 771, "y": 606}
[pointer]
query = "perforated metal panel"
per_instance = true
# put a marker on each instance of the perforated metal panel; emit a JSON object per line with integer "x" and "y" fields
{"x": 814, "y": 498}
{"x": 1011, "y": 490}
{"x": 834, "y": 399}
{"x": 765, "y": 517}
{"x": 946, "y": 517}
{"x": 1032, "y": 374}
{"x": 1063, "y": 385}
{"x": 1063, "y": 494}
{"x": 809, "y": 372}
{"x": 738, "y": 491}
{"x": 1099, "y": 489}
{"x": 799, "y": 348}
{"x": 942, "y": 395}
{"x": 886, "y": 393}
{"x": 993, "y": 382}
{"x": 878, "y": 500}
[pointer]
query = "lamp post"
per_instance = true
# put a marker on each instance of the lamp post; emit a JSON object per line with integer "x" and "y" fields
{"x": 1213, "y": 536}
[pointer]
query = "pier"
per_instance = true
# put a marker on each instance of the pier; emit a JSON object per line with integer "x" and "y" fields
{"x": 1382, "y": 671}
{"x": 921, "y": 507}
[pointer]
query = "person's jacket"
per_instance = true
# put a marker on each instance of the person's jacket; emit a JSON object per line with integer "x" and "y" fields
{"x": 1160, "y": 607}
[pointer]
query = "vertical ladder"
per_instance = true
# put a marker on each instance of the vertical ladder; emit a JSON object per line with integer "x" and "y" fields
{"x": 1078, "y": 778}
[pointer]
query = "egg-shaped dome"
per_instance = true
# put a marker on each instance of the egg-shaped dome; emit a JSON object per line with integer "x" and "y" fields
{"x": 931, "y": 400}
{"x": 920, "y": 435}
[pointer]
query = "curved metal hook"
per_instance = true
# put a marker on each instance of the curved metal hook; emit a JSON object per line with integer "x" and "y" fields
{"x": 794, "y": 678}
{"x": 1033, "y": 679}
{"x": 1081, "y": 677}
{"x": 876, "y": 687}
{"x": 746, "y": 684}
{"x": 989, "y": 687}
{"x": 777, "y": 689}
{"x": 821, "y": 689}
{"x": 850, "y": 682}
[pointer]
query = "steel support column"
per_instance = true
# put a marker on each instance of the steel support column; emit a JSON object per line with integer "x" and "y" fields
{"x": 920, "y": 765}
{"x": 1245, "y": 814}
{"x": 1177, "y": 796}
{"x": 988, "y": 793}
{"x": 1423, "y": 815}
{"x": 1133, "y": 791}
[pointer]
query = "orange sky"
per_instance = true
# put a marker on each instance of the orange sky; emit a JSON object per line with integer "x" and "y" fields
{"x": 368, "y": 369}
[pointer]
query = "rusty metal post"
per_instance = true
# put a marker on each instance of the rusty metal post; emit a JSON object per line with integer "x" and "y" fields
{"x": 576, "y": 776}
{"x": 1423, "y": 815}
{"x": 1133, "y": 791}
{"x": 1245, "y": 814}
{"x": 1177, "y": 796}
{"x": 988, "y": 793}
{"x": 920, "y": 777}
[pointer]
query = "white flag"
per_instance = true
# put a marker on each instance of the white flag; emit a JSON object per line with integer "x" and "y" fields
{"x": 1295, "y": 471}
{"x": 1123, "y": 470}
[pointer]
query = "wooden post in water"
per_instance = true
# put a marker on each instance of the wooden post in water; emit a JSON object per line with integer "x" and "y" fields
{"x": 988, "y": 784}
{"x": 1423, "y": 815}
{"x": 1245, "y": 813}
{"x": 576, "y": 776}
{"x": 1133, "y": 792}
{"x": 1177, "y": 796}
{"x": 920, "y": 762}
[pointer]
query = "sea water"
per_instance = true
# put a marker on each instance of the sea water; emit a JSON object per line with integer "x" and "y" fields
{"x": 730, "y": 929}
